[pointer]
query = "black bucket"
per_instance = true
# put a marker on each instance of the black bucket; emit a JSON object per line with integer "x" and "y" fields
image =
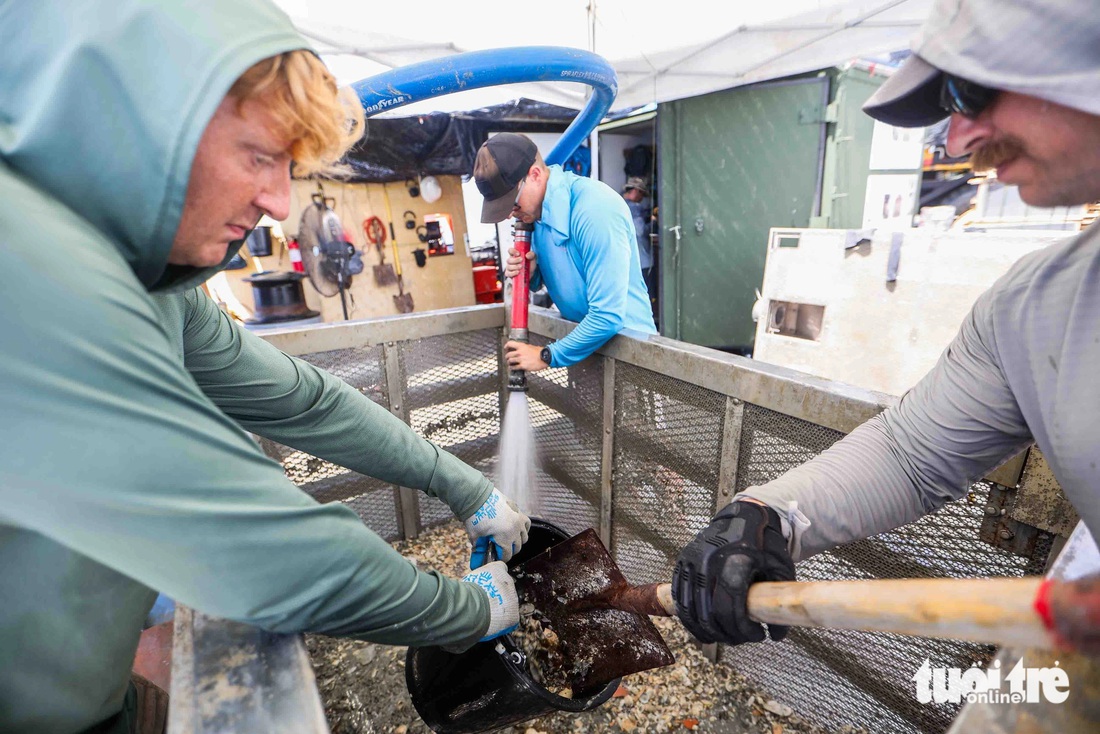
{"x": 488, "y": 687}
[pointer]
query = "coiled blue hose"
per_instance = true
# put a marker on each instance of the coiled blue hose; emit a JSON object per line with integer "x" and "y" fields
{"x": 477, "y": 69}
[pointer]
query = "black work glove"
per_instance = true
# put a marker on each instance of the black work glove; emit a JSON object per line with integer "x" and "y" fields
{"x": 742, "y": 545}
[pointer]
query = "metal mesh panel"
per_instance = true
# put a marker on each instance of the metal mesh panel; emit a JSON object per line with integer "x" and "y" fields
{"x": 1037, "y": 563}
{"x": 373, "y": 500}
{"x": 838, "y": 678}
{"x": 452, "y": 397}
{"x": 772, "y": 443}
{"x": 668, "y": 439}
{"x": 566, "y": 406}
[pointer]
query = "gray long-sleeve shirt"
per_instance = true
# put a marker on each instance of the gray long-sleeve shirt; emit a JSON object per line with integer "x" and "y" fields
{"x": 1023, "y": 368}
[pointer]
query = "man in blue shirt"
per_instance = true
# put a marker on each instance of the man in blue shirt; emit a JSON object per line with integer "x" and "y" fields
{"x": 583, "y": 248}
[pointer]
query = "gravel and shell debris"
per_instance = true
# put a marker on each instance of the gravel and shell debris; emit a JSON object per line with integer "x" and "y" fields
{"x": 363, "y": 688}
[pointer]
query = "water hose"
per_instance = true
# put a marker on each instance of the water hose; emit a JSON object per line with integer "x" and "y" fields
{"x": 493, "y": 67}
{"x": 521, "y": 288}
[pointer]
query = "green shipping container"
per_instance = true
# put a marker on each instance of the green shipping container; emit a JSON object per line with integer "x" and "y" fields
{"x": 732, "y": 165}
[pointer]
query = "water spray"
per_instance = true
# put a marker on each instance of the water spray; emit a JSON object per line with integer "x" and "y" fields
{"x": 521, "y": 287}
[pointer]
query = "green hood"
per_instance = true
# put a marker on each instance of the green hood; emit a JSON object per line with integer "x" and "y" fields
{"x": 104, "y": 104}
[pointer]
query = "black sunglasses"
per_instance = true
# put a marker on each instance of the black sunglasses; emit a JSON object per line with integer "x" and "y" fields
{"x": 967, "y": 98}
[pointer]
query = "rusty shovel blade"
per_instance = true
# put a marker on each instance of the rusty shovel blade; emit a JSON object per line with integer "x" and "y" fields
{"x": 403, "y": 302}
{"x": 573, "y": 586}
{"x": 384, "y": 274}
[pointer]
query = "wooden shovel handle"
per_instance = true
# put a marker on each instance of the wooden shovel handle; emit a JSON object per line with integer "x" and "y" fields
{"x": 998, "y": 611}
{"x": 652, "y": 599}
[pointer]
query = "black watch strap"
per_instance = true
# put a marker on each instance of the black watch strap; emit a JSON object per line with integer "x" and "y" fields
{"x": 544, "y": 355}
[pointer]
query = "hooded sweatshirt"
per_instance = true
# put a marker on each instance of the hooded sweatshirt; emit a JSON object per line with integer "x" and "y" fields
{"x": 124, "y": 391}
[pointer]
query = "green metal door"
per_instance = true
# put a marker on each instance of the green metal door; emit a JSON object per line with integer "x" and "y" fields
{"x": 732, "y": 165}
{"x": 848, "y": 152}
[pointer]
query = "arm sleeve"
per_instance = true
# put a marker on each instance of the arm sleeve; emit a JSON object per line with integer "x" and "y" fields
{"x": 956, "y": 424}
{"x": 290, "y": 401}
{"x": 112, "y": 450}
{"x": 604, "y": 247}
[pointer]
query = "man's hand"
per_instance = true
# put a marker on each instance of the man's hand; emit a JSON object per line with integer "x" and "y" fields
{"x": 514, "y": 262}
{"x": 1073, "y": 614}
{"x": 742, "y": 545}
{"x": 497, "y": 521}
{"x": 522, "y": 356}
{"x": 494, "y": 580}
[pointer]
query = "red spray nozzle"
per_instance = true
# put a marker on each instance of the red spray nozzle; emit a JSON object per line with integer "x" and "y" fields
{"x": 521, "y": 284}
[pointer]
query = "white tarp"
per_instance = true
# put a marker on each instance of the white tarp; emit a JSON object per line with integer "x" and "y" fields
{"x": 661, "y": 49}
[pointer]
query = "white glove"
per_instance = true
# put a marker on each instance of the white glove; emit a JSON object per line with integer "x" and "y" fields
{"x": 500, "y": 522}
{"x": 514, "y": 263}
{"x": 493, "y": 579}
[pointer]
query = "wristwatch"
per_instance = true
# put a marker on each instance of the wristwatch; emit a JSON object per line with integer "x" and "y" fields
{"x": 544, "y": 355}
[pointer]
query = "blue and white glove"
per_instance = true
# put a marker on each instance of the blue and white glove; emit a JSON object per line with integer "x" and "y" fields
{"x": 493, "y": 579}
{"x": 499, "y": 522}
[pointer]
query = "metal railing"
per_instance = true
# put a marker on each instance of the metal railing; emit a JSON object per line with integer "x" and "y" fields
{"x": 643, "y": 441}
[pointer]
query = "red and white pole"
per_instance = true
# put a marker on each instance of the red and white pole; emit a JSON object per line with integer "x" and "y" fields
{"x": 521, "y": 289}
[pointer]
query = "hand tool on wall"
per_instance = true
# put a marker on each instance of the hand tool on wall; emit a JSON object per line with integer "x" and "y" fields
{"x": 375, "y": 232}
{"x": 403, "y": 300}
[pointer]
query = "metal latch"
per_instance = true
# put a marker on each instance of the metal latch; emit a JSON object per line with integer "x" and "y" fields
{"x": 817, "y": 114}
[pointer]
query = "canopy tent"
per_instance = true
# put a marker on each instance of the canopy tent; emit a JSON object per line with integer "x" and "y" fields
{"x": 661, "y": 51}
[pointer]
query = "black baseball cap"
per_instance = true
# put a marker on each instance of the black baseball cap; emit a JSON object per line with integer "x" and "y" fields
{"x": 909, "y": 98}
{"x": 502, "y": 162}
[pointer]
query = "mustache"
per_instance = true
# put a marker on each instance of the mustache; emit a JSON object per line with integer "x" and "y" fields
{"x": 993, "y": 154}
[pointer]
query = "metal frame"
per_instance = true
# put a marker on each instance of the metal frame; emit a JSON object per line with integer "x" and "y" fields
{"x": 408, "y": 500}
{"x": 731, "y": 451}
{"x": 277, "y": 684}
{"x": 379, "y": 331}
{"x": 824, "y": 402}
{"x": 227, "y": 676}
{"x": 827, "y": 403}
{"x": 607, "y": 454}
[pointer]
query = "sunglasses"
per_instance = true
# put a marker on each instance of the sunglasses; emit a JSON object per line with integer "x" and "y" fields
{"x": 967, "y": 98}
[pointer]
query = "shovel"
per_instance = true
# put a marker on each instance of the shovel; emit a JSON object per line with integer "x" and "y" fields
{"x": 598, "y": 642}
{"x": 384, "y": 275}
{"x": 403, "y": 301}
{"x": 605, "y": 633}
{"x": 992, "y": 611}
{"x": 376, "y": 235}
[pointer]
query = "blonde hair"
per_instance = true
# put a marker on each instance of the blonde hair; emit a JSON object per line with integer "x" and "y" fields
{"x": 321, "y": 120}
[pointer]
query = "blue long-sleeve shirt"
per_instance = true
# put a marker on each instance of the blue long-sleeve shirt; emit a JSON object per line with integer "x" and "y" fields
{"x": 585, "y": 245}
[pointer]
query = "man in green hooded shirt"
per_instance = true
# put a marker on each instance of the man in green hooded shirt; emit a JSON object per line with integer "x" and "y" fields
{"x": 139, "y": 140}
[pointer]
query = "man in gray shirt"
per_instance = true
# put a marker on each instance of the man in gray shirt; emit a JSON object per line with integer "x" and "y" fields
{"x": 1020, "y": 80}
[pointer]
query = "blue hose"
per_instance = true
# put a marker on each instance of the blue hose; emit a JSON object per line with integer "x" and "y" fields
{"x": 477, "y": 69}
